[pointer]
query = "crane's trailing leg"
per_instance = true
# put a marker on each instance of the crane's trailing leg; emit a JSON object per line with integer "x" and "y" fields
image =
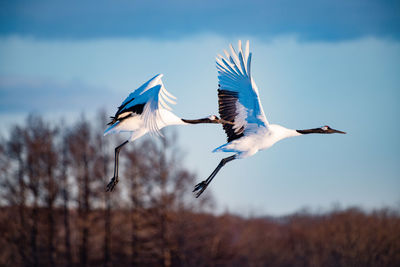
{"x": 114, "y": 180}
{"x": 200, "y": 187}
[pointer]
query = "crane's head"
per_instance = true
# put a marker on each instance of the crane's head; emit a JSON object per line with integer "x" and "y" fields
{"x": 322, "y": 130}
{"x": 215, "y": 119}
{"x": 212, "y": 118}
{"x": 328, "y": 130}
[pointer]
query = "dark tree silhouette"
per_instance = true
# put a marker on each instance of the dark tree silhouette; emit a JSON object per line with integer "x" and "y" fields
{"x": 55, "y": 211}
{"x": 65, "y": 194}
{"x": 82, "y": 155}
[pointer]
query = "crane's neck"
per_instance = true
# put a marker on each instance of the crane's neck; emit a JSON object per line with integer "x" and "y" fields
{"x": 170, "y": 118}
{"x": 202, "y": 120}
{"x": 281, "y": 132}
{"x": 276, "y": 133}
{"x": 310, "y": 131}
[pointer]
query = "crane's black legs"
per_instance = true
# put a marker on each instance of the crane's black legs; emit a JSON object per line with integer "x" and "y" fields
{"x": 114, "y": 180}
{"x": 200, "y": 187}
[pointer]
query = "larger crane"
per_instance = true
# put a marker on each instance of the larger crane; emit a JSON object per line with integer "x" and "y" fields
{"x": 248, "y": 130}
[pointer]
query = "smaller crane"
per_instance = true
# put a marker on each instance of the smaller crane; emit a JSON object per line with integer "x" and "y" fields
{"x": 144, "y": 111}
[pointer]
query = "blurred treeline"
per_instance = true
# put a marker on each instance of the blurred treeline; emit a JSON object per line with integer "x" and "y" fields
{"x": 55, "y": 212}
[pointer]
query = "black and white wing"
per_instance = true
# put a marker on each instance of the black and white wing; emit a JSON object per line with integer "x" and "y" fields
{"x": 238, "y": 97}
{"x": 146, "y": 101}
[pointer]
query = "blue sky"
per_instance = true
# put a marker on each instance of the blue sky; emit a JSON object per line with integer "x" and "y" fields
{"x": 316, "y": 63}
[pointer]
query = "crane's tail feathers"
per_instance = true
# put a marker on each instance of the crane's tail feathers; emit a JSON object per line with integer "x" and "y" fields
{"x": 166, "y": 97}
{"x": 168, "y": 94}
{"x": 224, "y": 148}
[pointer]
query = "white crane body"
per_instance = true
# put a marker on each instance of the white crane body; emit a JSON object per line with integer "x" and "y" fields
{"x": 137, "y": 126}
{"x": 261, "y": 139}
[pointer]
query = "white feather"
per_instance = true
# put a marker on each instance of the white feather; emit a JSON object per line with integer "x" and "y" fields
{"x": 234, "y": 75}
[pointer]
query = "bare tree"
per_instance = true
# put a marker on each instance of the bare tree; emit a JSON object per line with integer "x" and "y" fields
{"x": 170, "y": 192}
{"x": 65, "y": 195}
{"x": 82, "y": 158}
{"x": 101, "y": 170}
{"x": 49, "y": 156}
{"x": 138, "y": 162}
{"x": 15, "y": 185}
{"x": 34, "y": 136}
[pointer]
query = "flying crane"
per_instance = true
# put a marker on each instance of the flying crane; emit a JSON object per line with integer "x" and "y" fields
{"x": 247, "y": 128}
{"x": 146, "y": 110}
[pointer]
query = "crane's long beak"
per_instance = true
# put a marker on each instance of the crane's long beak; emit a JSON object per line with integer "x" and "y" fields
{"x": 337, "y": 131}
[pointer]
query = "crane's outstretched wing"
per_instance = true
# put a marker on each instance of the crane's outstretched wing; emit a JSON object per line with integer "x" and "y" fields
{"x": 238, "y": 98}
{"x": 147, "y": 101}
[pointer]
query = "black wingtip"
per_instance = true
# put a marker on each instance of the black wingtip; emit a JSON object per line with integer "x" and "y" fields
{"x": 113, "y": 120}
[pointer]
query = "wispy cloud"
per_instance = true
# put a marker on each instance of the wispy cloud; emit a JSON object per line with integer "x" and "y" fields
{"x": 23, "y": 94}
{"x": 309, "y": 19}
